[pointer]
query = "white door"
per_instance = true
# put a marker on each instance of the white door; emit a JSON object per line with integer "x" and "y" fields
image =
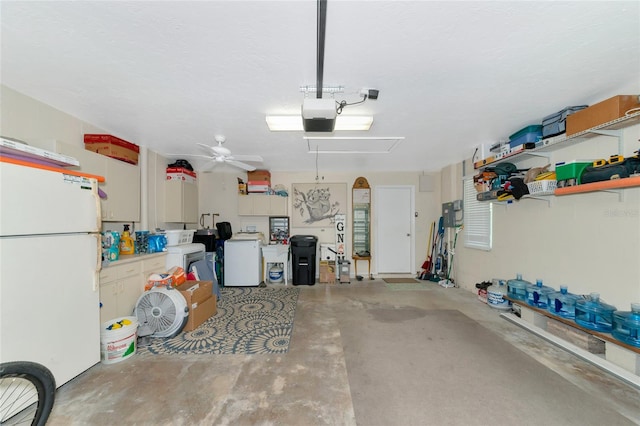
{"x": 394, "y": 222}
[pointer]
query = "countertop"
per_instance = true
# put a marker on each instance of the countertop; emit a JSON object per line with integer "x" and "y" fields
{"x": 128, "y": 258}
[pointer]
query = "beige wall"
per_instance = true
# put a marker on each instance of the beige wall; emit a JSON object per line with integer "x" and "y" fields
{"x": 590, "y": 242}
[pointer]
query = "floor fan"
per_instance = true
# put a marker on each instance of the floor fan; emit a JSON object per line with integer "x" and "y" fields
{"x": 161, "y": 312}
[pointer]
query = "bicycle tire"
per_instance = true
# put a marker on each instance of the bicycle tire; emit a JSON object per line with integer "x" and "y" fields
{"x": 43, "y": 381}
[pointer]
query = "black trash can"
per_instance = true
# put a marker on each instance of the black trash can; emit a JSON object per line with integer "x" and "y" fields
{"x": 303, "y": 256}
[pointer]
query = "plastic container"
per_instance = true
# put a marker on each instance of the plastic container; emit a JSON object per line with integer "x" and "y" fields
{"x": 276, "y": 273}
{"x": 593, "y": 314}
{"x": 542, "y": 187}
{"x": 157, "y": 243}
{"x": 118, "y": 339}
{"x": 496, "y": 293}
{"x": 127, "y": 245}
{"x": 538, "y": 294}
{"x": 527, "y": 134}
{"x": 562, "y": 303}
{"x": 626, "y": 325}
{"x": 517, "y": 288}
{"x": 178, "y": 237}
{"x": 571, "y": 172}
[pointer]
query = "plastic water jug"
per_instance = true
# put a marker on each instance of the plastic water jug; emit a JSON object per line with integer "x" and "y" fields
{"x": 562, "y": 303}
{"x": 275, "y": 273}
{"x": 496, "y": 293}
{"x": 517, "y": 288}
{"x": 626, "y": 325}
{"x": 593, "y": 314}
{"x": 538, "y": 294}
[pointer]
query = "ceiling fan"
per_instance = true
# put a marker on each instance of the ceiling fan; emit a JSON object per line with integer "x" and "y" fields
{"x": 220, "y": 154}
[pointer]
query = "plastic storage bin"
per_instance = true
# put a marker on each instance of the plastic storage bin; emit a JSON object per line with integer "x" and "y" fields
{"x": 569, "y": 173}
{"x": 517, "y": 288}
{"x": 528, "y": 134}
{"x": 562, "y": 303}
{"x": 303, "y": 255}
{"x": 626, "y": 326}
{"x": 593, "y": 314}
{"x": 538, "y": 294}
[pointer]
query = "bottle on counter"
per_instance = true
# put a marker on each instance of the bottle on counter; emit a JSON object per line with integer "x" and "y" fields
{"x": 127, "y": 245}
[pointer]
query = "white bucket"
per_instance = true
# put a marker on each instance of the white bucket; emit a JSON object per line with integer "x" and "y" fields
{"x": 118, "y": 344}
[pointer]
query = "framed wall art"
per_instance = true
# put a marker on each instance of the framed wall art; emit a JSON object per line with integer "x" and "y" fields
{"x": 315, "y": 204}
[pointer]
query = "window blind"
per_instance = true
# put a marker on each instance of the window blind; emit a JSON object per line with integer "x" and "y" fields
{"x": 478, "y": 217}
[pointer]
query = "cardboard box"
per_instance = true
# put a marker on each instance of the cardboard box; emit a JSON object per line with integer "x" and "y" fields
{"x": 200, "y": 313}
{"x": 259, "y": 175}
{"x": 181, "y": 177}
{"x": 182, "y": 170}
{"x": 113, "y": 147}
{"x": 258, "y": 186}
{"x": 327, "y": 272}
{"x": 601, "y": 113}
{"x": 195, "y": 292}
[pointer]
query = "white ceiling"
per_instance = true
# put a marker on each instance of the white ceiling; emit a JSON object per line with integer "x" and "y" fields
{"x": 451, "y": 75}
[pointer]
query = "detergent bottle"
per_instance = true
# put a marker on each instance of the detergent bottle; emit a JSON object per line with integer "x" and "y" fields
{"x": 126, "y": 242}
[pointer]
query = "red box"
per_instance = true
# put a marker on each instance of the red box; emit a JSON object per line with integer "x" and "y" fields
{"x": 181, "y": 170}
{"x": 113, "y": 147}
{"x": 258, "y": 186}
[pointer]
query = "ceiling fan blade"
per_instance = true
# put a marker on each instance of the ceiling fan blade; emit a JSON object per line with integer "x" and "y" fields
{"x": 255, "y": 158}
{"x": 207, "y": 147}
{"x": 244, "y": 166}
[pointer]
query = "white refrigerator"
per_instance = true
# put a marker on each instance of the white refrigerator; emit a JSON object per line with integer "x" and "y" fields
{"x": 242, "y": 262}
{"x": 50, "y": 259}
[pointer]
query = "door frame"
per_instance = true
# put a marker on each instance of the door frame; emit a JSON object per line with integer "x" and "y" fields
{"x": 412, "y": 224}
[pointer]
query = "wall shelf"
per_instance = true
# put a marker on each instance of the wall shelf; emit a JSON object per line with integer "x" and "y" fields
{"x": 610, "y": 128}
{"x": 608, "y": 185}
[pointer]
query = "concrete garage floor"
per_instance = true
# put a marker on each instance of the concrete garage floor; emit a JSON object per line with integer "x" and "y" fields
{"x": 362, "y": 354}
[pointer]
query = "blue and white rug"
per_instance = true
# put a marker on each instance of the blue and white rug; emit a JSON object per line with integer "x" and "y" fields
{"x": 249, "y": 320}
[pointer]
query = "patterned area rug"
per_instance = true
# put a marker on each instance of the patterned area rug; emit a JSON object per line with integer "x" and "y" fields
{"x": 248, "y": 321}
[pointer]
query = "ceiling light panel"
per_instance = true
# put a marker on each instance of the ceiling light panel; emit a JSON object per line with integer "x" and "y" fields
{"x": 352, "y": 145}
{"x": 292, "y": 123}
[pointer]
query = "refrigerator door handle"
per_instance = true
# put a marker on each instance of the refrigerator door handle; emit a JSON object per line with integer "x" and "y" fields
{"x": 96, "y": 272}
{"x": 96, "y": 197}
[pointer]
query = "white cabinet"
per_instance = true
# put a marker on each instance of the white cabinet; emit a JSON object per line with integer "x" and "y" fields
{"x": 122, "y": 284}
{"x": 120, "y": 287}
{"x": 122, "y": 185}
{"x": 181, "y": 202}
{"x": 262, "y": 205}
{"x": 122, "y": 181}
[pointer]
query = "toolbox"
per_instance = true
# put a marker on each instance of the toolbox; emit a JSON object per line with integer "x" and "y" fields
{"x": 555, "y": 124}
{"x": 529, "y": 134}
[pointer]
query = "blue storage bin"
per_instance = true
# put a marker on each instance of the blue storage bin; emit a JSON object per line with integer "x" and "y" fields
{"x": 529, "y": 134}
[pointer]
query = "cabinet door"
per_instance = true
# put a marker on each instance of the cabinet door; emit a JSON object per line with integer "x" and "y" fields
{"x": 261, "y": 204}
{"x": 128, "y": 293}
{"x": 245, "y": 205}
{"x": 108, "y": 301}
{"x": 123, "y": 192}
{"x": 190, "y": 202}
{"x": 181, "y": 200}
{"x": 278, "y": 205}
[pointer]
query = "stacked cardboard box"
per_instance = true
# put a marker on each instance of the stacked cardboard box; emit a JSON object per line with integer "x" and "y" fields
{"x": 180, "y": 173}
{"x": 200, "y": 300}
{"x": 258, "y": 181}
{"x": 113, "y": 147}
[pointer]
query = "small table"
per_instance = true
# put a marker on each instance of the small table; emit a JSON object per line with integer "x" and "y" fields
{"x": 355, "y": 258}
{"x": 275, "y": 253}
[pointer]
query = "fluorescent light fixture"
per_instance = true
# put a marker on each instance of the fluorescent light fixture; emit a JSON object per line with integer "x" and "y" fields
{"x": 292, "y": 123}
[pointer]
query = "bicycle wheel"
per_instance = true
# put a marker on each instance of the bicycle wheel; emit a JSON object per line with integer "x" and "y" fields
{"x": 27, "y": 392}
